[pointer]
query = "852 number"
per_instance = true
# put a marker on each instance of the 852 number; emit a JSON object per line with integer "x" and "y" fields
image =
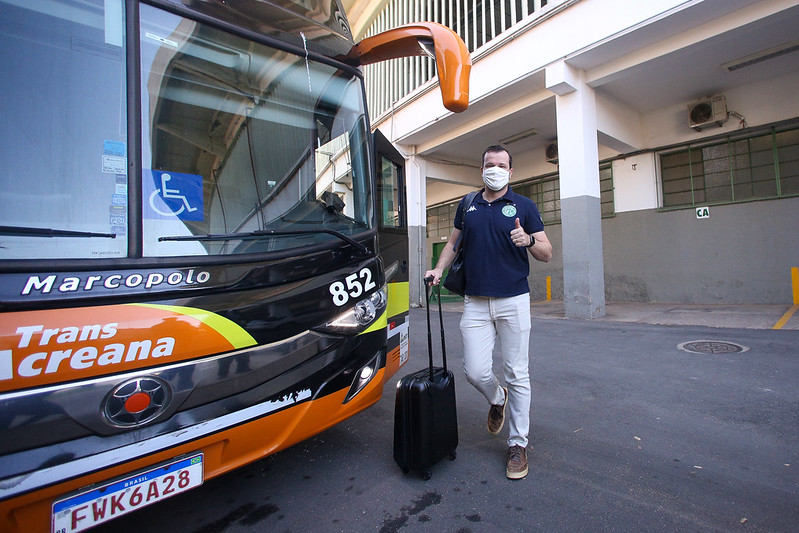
{"x": 356, "y": 285}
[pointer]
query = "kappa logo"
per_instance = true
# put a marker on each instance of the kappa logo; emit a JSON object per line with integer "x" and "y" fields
{"x": 472, "y": 208}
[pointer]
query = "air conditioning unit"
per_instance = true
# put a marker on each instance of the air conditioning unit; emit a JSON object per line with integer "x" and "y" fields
{"x": 552, "y": 153}
{"x": 706, "y": 112}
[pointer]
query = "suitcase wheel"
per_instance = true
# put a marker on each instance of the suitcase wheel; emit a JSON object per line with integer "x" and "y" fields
{"x": 452, "y": 455}
{"x": 426, "y": 475}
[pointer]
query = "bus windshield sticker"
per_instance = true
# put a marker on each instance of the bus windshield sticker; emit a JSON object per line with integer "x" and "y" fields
{"x": 114, "y": 164}
{"x": 169, "y": 195}
{"x": 116, "y": 148}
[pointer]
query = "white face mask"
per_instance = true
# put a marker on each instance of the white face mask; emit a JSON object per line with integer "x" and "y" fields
{"x": 495, "y": 178}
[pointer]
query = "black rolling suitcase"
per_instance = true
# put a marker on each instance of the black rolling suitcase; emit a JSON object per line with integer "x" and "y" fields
{"x": 425, "y": 415}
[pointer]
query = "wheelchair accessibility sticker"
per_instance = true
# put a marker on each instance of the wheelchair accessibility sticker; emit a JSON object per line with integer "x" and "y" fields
{"x": 172, "y": 195}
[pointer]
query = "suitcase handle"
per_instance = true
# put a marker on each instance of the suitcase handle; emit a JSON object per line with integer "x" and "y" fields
{"x": 427, "y": 283}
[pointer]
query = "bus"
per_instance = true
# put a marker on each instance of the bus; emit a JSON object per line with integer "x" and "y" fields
{"x": 203, "y": 247}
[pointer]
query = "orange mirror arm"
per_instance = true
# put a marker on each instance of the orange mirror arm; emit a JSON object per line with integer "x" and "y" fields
{"x": 452, "y": 57}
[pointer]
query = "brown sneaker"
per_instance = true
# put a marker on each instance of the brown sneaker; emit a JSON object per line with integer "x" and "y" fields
{"x": 496, "y": 415}
{"x": 517, "y": 463}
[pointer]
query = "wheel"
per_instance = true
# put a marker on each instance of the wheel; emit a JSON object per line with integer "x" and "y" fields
{"x": 406, "y": 470}
{"x": 427, "y": 475}
{"x": 452, "y": 455}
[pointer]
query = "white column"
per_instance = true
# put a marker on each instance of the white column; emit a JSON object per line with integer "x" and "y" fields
{"x": 415, "y": 185}
{"x": 581, "y": 214}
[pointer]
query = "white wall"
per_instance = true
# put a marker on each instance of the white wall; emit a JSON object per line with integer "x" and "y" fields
{"x": 635, "y": 177}
{"x": 760, "y": 103}
{"x": 586, "y": 23}
{"x": 448, "y": 181}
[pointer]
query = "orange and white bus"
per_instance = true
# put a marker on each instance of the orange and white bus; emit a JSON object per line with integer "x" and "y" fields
{"x": 203, "y": 256}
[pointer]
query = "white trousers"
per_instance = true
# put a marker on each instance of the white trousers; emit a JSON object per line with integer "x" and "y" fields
{"x": 484, "y": 321}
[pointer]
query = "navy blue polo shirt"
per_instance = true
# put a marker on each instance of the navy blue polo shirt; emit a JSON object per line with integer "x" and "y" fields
{"x": 494, "y": 266}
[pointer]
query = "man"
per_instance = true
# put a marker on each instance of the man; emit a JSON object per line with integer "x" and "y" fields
{"x": 497, "y": 232}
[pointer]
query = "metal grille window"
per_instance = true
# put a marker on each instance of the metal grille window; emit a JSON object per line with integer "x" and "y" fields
{"x": 606, "y": 191}
{"x": 543, "y": 190}
{"x": 440, "y": 219}
{"x": 737, "y": 169}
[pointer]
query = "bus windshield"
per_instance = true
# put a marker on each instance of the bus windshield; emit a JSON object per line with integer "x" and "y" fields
{"x": 239, "y": 137}
{"x": 244, "y": 148}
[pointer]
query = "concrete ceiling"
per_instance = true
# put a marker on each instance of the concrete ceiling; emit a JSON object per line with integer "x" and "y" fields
{"x": 695, "y": 71}
{"x": 689, "y": 71}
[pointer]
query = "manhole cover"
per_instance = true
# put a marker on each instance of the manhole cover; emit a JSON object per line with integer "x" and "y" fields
{"x": 712, "y": 347}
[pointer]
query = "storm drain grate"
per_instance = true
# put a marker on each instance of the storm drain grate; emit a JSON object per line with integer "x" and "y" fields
{"x": 712, "y": 347}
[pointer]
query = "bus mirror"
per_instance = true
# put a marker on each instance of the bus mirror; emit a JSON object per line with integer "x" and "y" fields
{"x": 424, "y": 38}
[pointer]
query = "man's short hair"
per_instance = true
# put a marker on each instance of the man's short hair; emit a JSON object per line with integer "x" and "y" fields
{"x": 494, "y": 148}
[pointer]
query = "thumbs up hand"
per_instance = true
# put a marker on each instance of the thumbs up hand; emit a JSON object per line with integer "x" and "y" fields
{"x": 518, "y": 236}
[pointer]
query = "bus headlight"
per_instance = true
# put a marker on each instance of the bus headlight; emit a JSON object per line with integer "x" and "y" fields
{"x": 364, "y": 312}
{"x": 359, "y": 317}
{"x": 362, "y": 378}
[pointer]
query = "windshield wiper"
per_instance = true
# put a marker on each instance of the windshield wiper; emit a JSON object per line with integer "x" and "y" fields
{"x": 261, "y": 233}
{"x": 21, "y": 231}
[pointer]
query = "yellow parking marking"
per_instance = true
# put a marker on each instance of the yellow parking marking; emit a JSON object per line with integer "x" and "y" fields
{"x": 795, "y": 287}
{"x": 795, "y": 284}
{"x": 786, "y": 317}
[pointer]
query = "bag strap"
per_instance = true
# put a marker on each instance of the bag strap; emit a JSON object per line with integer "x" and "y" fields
{"x": 469, "y": 199}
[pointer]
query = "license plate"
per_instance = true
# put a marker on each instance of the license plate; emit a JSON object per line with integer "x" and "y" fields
{"x": 96, "y": 506}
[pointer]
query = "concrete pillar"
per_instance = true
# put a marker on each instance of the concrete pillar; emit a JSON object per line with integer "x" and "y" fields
{"x": 416, "y": 187}
{"x": 581, "y": 214}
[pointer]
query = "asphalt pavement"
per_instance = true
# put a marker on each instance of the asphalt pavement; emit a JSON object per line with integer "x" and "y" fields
{"x": 640, "y": 422}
